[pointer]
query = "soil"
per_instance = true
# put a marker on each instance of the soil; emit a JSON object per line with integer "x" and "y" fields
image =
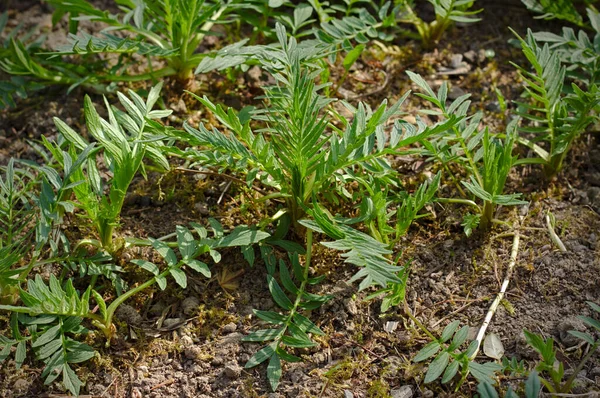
{"x": 188, "y": 343}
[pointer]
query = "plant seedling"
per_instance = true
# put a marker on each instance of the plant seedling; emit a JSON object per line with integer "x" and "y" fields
{"x": 124, "y": 140}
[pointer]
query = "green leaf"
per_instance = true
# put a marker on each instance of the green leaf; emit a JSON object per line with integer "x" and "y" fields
{"x": 274, "y": 371}
{"x": 179, "y": 277}
{"x": 80, "y": 355}
{"x": 263, "y": 335}
{"x": 198, "y": 266}
{"x": 271, "y": 317}
{"x": 484, "y": 372}
{"x": 70, "y": 380}
{"x": 487, "y": 390}
{"x": 278, "y": 295}
{"x": 165, "y": 251}
{"x": 161, "y": 281}
{"x": 241, "y": 236}
{"x": 306, "y": 325}
{"x": 591, "y": 322}
{"x": 20, "y": 354}
{"x": 460, "y": 337}
{"x": 185, "y": 241}
{"x": 48, "y": 336}
{"x": 352, "y": 56}
{"x": 450, "y": 372}
{"x": 261, "y": 355}
{"x": 449, "y": 330}
{"x": 147, "y": 265}
{"x": 533, "y": 386}
{"x": 583, "y": 336}
{"x": 427, "y": 352}
{"x": 437, "y": 367}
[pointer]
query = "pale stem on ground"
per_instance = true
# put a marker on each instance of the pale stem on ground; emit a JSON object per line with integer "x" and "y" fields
{"x": 553, "y": 236}
{"x": 490, "y": 314}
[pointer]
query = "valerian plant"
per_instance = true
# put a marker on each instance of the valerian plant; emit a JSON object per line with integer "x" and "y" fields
{"x": 53, "y": 312}
{"x": 124, "y": 141}
{"x": 29, "y": 70}
{"x": 451, "y": 360}
{"x": 486, "y": 160}
{"x": 299, "y": 151}
{"x": 170, "y": 29}
{"x": 549, "y": 372}
{"x": 554, "y": 119}
{"x": 447, "y": 12}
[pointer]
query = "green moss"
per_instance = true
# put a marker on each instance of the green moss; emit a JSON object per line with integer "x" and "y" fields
{"x": 378, "y": 389}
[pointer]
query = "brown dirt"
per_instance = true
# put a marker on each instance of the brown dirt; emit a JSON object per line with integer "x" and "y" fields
{"x": 175, "y": 351}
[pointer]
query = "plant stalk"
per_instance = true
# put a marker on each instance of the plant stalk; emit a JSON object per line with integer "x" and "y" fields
{"x": 511, "y": 265}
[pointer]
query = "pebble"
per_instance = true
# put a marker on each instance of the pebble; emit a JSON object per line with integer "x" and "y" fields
{"x": 192, "y": 352}
{"x": 232, "y": 371}
{"x": 187, "y": 341}
{"x": 21, "y": 385}
{"x": 351, "y": 306}
{"x": 454, "y": 93}
{"x": 229, "y": 328}
{"x": 402, "y": 392}
{"x": 128, "y": 314}
{"x": 348, "y": 394}
{"x": 190, "y": 305}
{"x": 202, "y": 208}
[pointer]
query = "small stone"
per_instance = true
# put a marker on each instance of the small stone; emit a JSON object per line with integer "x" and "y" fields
{"x": 232, "y": 338}
{"x": 455, "y": 92}
{"x": 217, "y": 361}
{"x": 172, "y": 323}
{"x": 202, "y": 208}
{"x": 186, "y": 341}
{"x": 493, "y": 106}
{"x": 470, "y": 56}
{"x": 390, "y": 326}
{"x": 128, "y": 314}
{"x": 190, "y": 305}
{"x": 351, "y": 306}
{"x": 402, "y": 392}
{"x": 567, "y": 325}
{"x": 192, "y": 352}
{"x": 229, "y": 328}
{"x": 21, "y": 385}
{"x": 254, "y": 73}
{"x": 232, "y": 371}
{"x": 428, "y": 393}
{"x": 456, "y": 60}
{"x": 348, "y": 394}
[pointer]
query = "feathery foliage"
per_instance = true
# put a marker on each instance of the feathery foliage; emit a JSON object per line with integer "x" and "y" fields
{"x": 554, "y": 119}
{"x": 485, "y": 159}
{"x": 125, "y": 139}
{"x": 171, "y": 29}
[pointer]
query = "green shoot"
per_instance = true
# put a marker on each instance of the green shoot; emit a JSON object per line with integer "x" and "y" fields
{"x": 124, "y": 141}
